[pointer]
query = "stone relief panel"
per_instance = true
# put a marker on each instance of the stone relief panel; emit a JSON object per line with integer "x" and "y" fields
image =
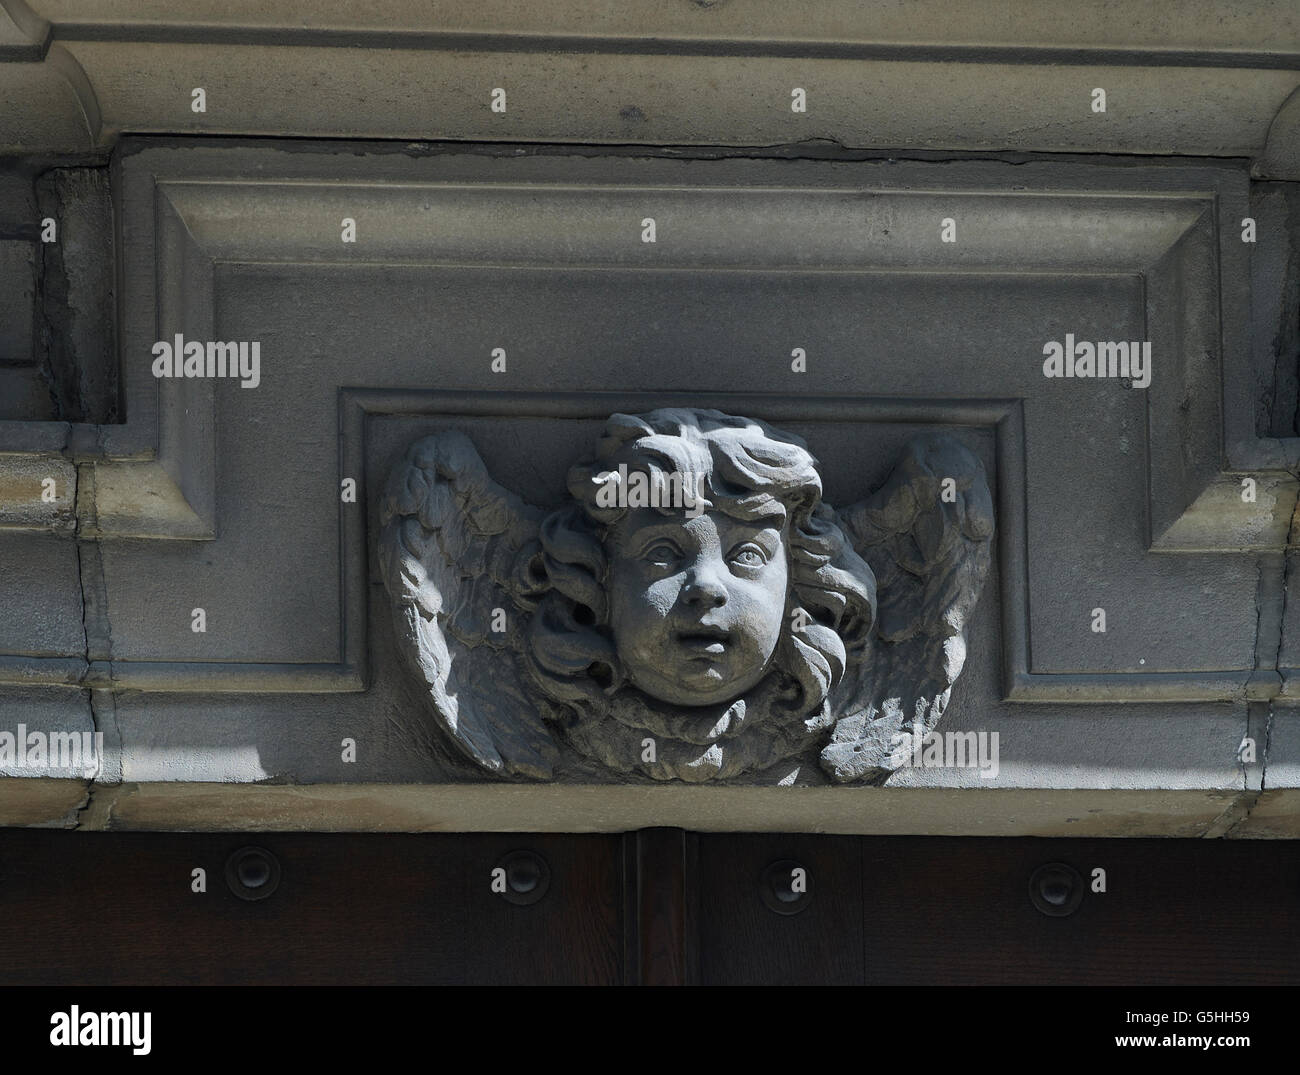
{"x": 367, "y": 487}
{"x": 696, "y": 611}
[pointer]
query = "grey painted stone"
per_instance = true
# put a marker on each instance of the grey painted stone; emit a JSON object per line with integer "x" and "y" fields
{"x": 18, "y": 270}
{"x": 47, "y": 736}
{"x": 1275, "y": 306}
{"x": 24, "y": 394}
{"x": 1211, "y": 25}
{"x": 38, "y": 492}
{"x": 78, "y": 343}
{"x": 660, "y": 639}
{"x": 512, "y": 808}
{"x": 227, "y": 498}
{"x": 40, "y": 596}
{"x": 1212, "y": 78}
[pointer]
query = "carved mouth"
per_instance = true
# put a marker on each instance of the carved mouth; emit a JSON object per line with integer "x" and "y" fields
{"x": 705, "y": 640}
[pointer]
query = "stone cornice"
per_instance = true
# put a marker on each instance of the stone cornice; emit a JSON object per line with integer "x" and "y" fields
{"x": 1206, "y": 78}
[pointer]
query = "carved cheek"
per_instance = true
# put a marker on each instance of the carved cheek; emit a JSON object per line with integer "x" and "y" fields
{"x": 766, "y": 600}
{"x": 640, "y": 608}
{"x": 661, "y": 594}
{"x": 762, "y": 611}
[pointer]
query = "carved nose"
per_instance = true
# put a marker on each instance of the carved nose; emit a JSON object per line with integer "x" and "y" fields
{"x": 705, "y": 590}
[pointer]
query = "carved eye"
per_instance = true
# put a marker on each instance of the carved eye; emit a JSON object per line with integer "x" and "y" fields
{"x": 749, "y": 556}
{"x": 662, "y": 554}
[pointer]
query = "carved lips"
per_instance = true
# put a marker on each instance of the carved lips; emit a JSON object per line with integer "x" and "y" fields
{"x": 705, "y": 640}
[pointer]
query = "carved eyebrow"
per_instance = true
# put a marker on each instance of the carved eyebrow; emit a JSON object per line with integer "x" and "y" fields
{"x": 647, "y": 537}
{"x": 773, "y": 513}
{"x": 771, "y": 521}
{"x": 671, "y": 529}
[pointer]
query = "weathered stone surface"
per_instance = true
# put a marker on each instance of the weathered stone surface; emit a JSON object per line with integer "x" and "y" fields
{"x": 47, "y": 737}
{"x": 696, "y": 611}
{"x": 214, "y": 496}
{"x": 512, "y": 808}
{"x": 78, "y": 323}
{"x": 1212, "y": 78}
{"x": 40, "y": 596}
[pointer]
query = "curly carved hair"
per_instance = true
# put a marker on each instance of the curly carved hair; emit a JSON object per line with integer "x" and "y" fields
{"x": 746, "y": 467}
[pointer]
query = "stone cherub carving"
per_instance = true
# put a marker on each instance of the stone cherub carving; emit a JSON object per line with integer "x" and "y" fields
{"x": 745, "y": 628}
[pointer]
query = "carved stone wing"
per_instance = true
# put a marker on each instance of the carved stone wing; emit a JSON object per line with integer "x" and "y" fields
{"x": 930, "y": 555}
{"x": 450, "y": 541}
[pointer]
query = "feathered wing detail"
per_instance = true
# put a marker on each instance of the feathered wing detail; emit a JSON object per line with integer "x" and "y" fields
{"x": 930, "y": 556}
{"x": 449, "y": 551}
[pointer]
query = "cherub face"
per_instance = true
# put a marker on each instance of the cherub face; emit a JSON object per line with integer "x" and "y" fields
{"x": 697, "y": 604}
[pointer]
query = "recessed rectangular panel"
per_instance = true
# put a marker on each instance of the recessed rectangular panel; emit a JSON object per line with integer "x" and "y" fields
{"x": 283, "y": 567}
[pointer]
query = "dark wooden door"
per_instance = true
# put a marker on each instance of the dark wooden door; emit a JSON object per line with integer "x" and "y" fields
{"x": 659, "y": 906}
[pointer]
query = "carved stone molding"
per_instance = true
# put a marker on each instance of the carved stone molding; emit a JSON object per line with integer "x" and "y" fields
{"x": 1103, "y": 493}
{"x": 1203, "y": 79}
{"x": 153, "y": 477}
{"x": 697, "y": 611}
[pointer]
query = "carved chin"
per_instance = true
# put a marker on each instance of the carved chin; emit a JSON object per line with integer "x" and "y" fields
{"x": 706, "y": 741}
{"x": 695, "y": 682}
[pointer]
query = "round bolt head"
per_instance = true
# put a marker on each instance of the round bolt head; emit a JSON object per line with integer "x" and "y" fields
{"x": 528, "y": 877}
{"x": 252, "y": 873}
{"x": 1056, "y": 889}
{"x": 786, "y": 887}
